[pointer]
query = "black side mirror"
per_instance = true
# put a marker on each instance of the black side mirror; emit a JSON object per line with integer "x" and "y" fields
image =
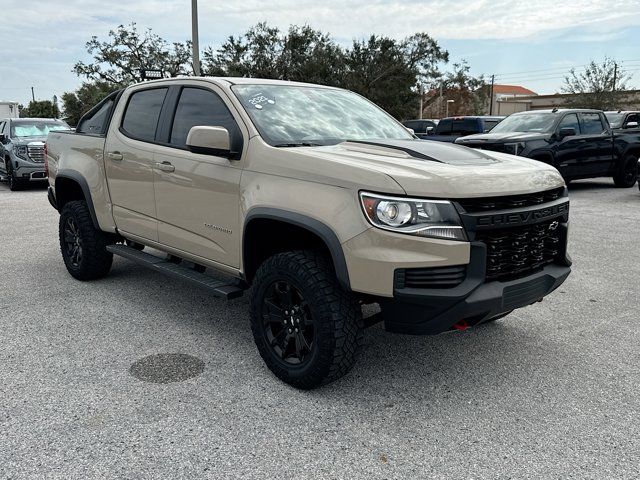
{"x": 567, "y": 132}
{"x": 3, "y": 138}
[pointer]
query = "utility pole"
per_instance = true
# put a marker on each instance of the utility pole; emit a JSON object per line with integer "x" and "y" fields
{"x": 421, "y": 97}
{"x": 615, "y": 75}
{"x": 440, "y": 102}
{"x": 493, "y": 79}
{"x": 194, "y": 37}
{"x": 33, "y": 95}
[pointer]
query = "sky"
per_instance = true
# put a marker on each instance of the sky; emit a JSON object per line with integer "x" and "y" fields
{"x": 522, "y": 42}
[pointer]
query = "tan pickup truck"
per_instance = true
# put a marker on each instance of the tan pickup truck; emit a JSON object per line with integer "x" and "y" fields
{"x": 314, "y": 199}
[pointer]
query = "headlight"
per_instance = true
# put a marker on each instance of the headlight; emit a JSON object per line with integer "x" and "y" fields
{"x": 413, "y": 216}
{"x": 514, "y": 148}
{"x": 20, "y": 151}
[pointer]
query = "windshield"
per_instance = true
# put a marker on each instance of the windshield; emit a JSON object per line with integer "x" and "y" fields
{"x": 36, "y": 129}
{"x": 615, "y": 119}
{"x": 298, "y": 115}
{"x": 526, "y": 122}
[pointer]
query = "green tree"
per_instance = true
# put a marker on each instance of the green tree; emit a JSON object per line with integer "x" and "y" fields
{"x": 599, "y": 85}
{"x": 75, "y": 104}
{"x": 302, "y": 54}
{"x": 120, "y": 59}
{"x": 40, "y": 109}
{"x": 382, "y": 69}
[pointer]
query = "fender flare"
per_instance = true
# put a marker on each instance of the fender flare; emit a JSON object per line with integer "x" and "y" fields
{"x": 84, "y": 186}
{"x": 324, "y": 232}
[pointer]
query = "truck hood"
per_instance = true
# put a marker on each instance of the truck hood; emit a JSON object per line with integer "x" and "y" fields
{"x": 27, "y": 140}
{"x": 502, "y": 137}
{"x": 442, "y": 170}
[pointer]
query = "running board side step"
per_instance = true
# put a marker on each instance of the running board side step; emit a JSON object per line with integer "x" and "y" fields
{"x": 217, "y": 287}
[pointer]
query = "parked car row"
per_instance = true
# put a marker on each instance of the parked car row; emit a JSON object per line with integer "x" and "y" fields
{"x": 450, "y": 128}
{"x": 22, "y": 149}
{"x": 580, "y": 143}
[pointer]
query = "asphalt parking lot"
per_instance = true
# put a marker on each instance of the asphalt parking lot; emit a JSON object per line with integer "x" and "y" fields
{"x": 551, "y": 391}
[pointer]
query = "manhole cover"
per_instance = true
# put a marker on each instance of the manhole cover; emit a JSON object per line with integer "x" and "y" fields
{"x": 167, "y": 368}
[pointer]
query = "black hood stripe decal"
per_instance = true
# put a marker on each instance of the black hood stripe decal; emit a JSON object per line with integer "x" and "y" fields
{"x": 410, "y": 151}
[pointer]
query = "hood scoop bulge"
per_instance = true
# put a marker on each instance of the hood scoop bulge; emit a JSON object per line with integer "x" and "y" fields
{"x": 427, "y": 150}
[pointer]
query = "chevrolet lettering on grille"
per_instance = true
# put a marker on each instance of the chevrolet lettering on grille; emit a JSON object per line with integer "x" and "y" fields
{"x": 511, "y": 219}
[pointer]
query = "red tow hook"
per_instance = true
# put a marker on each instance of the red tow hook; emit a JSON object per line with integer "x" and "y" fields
{"x": 462, "y": 325}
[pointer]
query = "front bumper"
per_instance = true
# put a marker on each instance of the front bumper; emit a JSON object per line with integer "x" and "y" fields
{"x": 433, "y": 311}
{"x": 30, "y": 172}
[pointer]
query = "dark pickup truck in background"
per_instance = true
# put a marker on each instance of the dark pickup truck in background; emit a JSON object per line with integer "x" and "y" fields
{"x": 451, "y": 128}
{"x": 578, "y": 142}
{"x": 621, "y": 120}
{"x": 422, "y": 127}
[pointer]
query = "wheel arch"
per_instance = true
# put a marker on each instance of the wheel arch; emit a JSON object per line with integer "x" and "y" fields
{"x": 294, "y": 230}
{"x": 71, "y": 185}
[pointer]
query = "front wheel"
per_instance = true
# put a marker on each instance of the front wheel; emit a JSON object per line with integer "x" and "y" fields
{"x": 308, "y": 329}
{"x": 83, "y": 246}
{"x": 628, "y": 174}
{"x": 15, "y": 184}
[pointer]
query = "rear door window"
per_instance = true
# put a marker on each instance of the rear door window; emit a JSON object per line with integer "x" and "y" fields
{"x": 465, "y": 126}
{"x": 97, "y": 122}
{"x": 444, "y": 127}
{"x": 140, "y": 120}
{"x": 591, "y": 124}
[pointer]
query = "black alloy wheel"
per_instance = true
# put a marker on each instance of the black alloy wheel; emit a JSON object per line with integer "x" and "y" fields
{"x": 288, "y": 325}
{"x": 628, "y": 176}
{"x": 73, "y": 242}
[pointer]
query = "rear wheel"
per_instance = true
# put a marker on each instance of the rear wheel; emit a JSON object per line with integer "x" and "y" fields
{"x": 628, "y": 174}
{"x": 308, "y": 330}
{"x": 83, "y": 246}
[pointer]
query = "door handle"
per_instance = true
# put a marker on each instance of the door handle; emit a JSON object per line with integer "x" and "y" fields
{"x": 165, "y": 167}
{"x": 115, "y": 156}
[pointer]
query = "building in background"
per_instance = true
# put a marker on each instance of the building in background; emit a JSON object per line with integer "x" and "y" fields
{"x": 9, "y": 110}
{"x": 508, "y": 99}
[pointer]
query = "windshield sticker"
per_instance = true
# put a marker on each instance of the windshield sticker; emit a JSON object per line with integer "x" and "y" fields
{"x": 259, "y": 100}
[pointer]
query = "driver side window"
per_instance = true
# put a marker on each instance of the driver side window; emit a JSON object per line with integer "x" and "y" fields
{"x": 570, "y": 121}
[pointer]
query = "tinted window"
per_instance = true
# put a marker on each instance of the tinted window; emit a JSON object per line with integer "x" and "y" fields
{"x": 590, "y": 123}
{"x": 198, "y": 107}
{"x": 141, "y": 118}
{"x": 466, "y": 126}
{"x": 419, "y": 126}
{"x": 97, "y": 122}
{"x": 444, "y": 127}
{"x": 570, "y": 121}
{"x": 489, "y": 124}
{"x": 632, "y": 118}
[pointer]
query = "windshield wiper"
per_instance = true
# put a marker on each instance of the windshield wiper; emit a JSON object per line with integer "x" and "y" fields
{"x": 297, "y": 144}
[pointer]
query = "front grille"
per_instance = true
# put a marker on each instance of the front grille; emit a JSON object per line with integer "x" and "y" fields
{"x": 519, "y": 251}
{"x": 472, "y": 205}
{"x": 36, "y": 153}
{"x": 438, "y": 277}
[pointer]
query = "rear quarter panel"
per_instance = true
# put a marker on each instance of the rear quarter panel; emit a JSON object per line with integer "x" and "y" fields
{"x": 71, "y": 154}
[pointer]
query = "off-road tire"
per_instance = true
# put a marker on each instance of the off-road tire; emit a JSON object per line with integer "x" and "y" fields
{"x": 628, "y": 174}
{"x": 336, "y": 316}
{"x": 95, "y": 261}
{"x": 15, "y": 184}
